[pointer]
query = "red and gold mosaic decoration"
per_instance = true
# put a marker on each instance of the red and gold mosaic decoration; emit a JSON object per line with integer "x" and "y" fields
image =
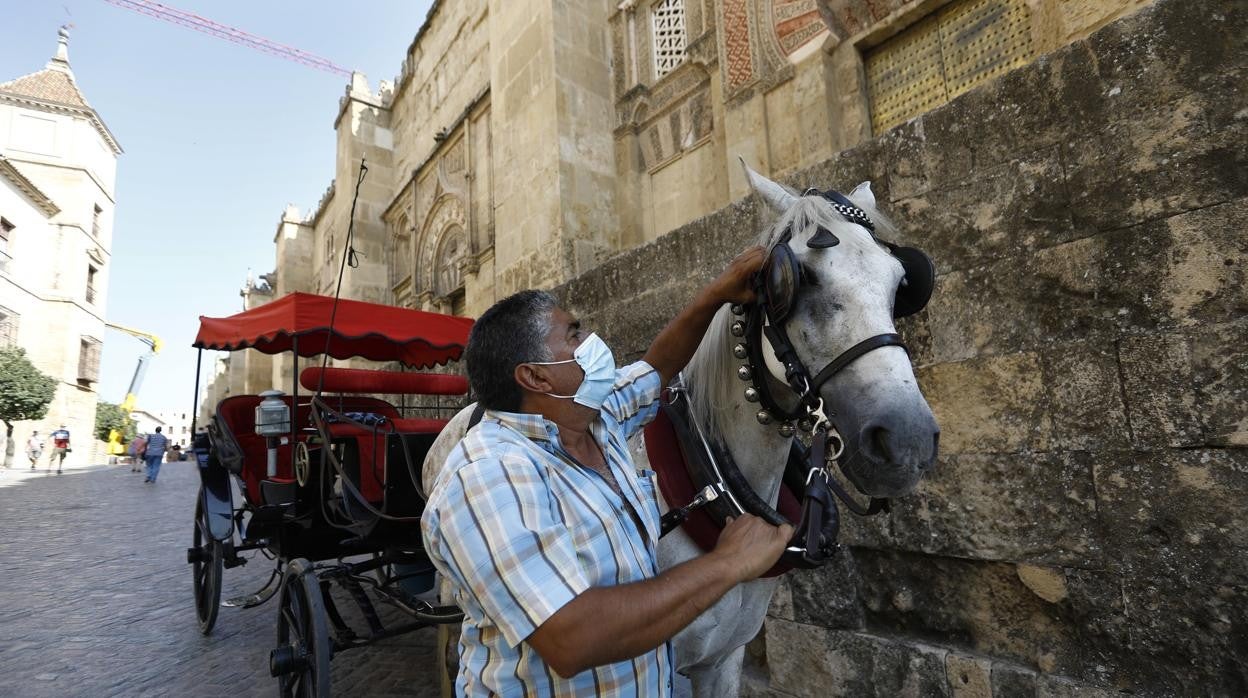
{"x": 739, "y": 61}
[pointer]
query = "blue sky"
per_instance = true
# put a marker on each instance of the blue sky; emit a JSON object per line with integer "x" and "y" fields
{"x": 218, "y": 138}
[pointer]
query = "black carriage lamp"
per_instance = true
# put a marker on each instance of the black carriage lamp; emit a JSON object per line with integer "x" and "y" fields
{"x": 272, "y": 422}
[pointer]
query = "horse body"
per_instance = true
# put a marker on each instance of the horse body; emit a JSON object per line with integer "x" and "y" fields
{"x": 875, "y": 405}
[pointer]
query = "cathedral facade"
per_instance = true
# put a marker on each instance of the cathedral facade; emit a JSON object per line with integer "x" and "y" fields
{"x": 523, "y": 143}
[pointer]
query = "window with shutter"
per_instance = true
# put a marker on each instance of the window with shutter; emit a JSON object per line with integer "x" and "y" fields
{"x": 958, "y": 48}
{"x": 89, "y": 360}
{"x": 6, "y": 231}
{"x": 8, "y": 327}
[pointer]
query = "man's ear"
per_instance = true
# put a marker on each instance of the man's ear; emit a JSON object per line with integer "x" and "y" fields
{"x": 532, "y": 378}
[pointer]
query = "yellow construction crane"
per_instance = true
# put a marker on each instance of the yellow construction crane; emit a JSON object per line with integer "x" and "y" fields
{"x": 155, "y": 344}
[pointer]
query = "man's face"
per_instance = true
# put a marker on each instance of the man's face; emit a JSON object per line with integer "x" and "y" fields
{"x": 564, "y": 337}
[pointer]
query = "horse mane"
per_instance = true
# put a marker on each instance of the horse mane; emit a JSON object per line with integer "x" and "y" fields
{"x": 711, "y": 376}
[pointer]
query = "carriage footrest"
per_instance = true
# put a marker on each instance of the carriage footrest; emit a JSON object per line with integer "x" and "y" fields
{"x": 279, "y": 491}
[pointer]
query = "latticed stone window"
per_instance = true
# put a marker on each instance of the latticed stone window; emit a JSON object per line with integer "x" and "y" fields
{"x": 668, "y": 23}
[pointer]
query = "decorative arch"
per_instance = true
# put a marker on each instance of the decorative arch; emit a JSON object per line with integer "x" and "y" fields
{"x": 448, "y": 211}
{"x": 448, "y": 267}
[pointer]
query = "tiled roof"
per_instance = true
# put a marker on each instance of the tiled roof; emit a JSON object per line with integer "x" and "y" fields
{"x": 49, "y": 85}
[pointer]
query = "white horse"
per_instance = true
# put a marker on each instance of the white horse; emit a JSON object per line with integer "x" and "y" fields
{"x": 888, "y": 430}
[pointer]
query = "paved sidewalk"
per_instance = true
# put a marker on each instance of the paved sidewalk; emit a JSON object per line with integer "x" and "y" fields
{"x": 95, "y": 599}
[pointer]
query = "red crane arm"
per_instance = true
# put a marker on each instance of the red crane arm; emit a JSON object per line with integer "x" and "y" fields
{"x": 204, "y": 25}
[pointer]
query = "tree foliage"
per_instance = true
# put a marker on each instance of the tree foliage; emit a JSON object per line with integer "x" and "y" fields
{"x": 108, "y": 417}
{"x": 25, "y": 391}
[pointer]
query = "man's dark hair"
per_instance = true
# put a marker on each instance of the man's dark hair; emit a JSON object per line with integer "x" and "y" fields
{"x": 512, "y": 332}
{"x": 157, "y": 430}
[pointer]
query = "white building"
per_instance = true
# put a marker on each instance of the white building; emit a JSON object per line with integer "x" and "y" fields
{"x": 58, "y": 164}
{"x": 146, "y": 423}
{"x": 177, "y": 426}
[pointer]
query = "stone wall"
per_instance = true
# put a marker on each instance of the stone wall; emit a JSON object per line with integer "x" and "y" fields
{"x": 1084, "y": 531}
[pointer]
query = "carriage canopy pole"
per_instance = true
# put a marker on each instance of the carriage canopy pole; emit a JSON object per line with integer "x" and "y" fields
{"x": 294, "y": 403}
{"x": 195, "y": 402}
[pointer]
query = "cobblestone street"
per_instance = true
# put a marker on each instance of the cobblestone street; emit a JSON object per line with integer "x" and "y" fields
{"x": 95, "y": 599}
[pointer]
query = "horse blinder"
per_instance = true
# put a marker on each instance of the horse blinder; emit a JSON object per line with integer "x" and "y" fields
{"x": 916, "y": 285}
{"x": 781, "y": 275}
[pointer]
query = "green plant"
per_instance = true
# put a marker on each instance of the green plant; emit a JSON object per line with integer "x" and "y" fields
{"x": 109, "y": 417}
{"x": 25, "y": 393}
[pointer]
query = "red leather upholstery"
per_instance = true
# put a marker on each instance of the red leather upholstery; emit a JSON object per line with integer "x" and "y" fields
{"x": 238, "y": 415}
{"x": 668, "y": 463}
{"x": 361, "y": 380}
{"x": 255, "y": 465}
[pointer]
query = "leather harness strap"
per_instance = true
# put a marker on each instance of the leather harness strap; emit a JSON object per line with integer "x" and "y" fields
{"x": 815, "y": 520}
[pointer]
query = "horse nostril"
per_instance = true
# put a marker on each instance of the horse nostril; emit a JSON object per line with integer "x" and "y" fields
{"x": 878, "y": 438}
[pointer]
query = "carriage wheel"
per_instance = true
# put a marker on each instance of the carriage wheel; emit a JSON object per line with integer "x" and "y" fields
{"x": 206, "y": 562}
{"x": 301, "y": 660}
{"x": 302, "y": 464}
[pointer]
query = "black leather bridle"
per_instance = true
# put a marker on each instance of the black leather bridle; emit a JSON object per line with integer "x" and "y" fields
{"x": 806, "y": 473}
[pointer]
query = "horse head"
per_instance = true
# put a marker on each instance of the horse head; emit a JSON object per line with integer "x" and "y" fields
{"x": 840, "y": 290}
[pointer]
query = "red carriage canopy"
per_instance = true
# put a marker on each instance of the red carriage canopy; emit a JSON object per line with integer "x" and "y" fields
{"x": 368, "y": 330}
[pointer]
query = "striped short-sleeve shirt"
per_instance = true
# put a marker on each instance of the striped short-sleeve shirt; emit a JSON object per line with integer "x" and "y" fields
{"x": 521, "y": 529}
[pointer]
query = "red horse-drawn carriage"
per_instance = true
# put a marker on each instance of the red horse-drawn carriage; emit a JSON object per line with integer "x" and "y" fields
{"x": 328, "y": 481}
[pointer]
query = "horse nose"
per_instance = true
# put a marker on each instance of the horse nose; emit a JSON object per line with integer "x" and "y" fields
{"x": 900, "y": 446}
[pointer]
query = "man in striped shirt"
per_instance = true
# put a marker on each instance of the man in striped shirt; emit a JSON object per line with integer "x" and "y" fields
{"x": 155, "y": 453}
{"x": 545, "y": 528}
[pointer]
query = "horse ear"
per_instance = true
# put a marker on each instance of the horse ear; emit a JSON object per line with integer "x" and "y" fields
{"x": 776, "y": 196}
{"x": 863, "y": 194}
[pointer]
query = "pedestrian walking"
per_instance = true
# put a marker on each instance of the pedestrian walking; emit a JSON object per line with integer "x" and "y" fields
{"x": 34, "y": 448}
{"x": 155, "y": 452}
{"x": 60, "y": 449}
{"x": 136, "y": 449}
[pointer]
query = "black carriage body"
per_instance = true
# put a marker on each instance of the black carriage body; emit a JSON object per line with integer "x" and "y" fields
{"x": 318, "y": 518}
{"x": 342, "y": 509}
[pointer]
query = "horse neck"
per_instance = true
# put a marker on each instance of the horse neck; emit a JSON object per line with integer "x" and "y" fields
{"x": 759, "y": 451}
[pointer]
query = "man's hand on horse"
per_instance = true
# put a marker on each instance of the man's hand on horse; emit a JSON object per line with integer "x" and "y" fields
{"x": 751, "y": 545}
{"x": 735, "y": 283}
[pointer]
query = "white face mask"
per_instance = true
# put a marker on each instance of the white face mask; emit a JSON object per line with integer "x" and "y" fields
{"x": 595, "y": 359}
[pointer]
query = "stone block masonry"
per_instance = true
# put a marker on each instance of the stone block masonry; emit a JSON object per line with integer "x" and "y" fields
{"x": 1084, "y": 531}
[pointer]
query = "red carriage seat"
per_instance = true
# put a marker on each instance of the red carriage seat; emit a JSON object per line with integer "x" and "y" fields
{"x": 371, "y": 443}
{"x": 238, "y": 415}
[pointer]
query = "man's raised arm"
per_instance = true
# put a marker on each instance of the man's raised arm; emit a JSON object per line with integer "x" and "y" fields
{"x": 675, "y": 345}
